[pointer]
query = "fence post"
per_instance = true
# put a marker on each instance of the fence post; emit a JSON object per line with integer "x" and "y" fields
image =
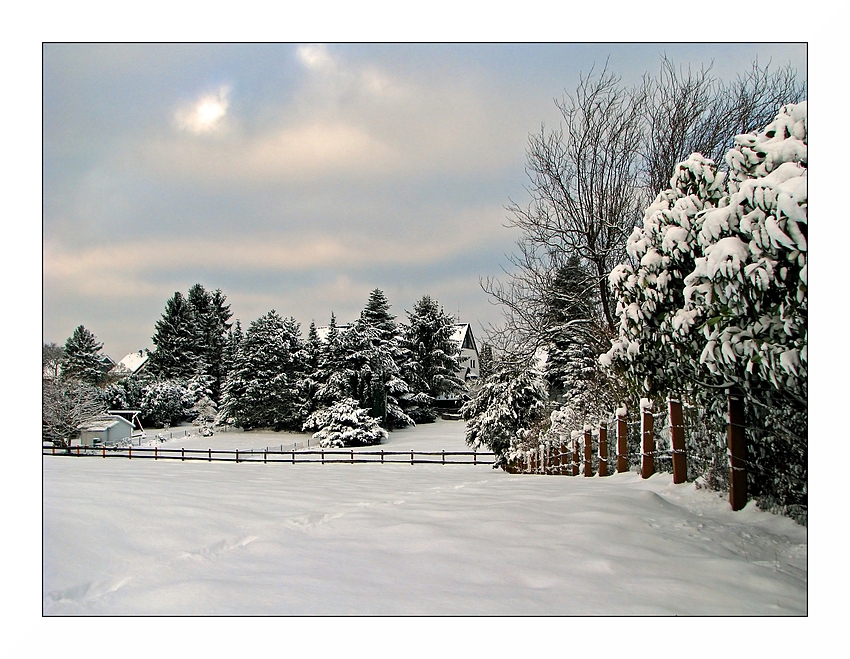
{"x": 647, "y": 461}
{"x": 155, "y": 449}
{"x": 382, "y": 456}
{"x": 237, "y": 456}
{"x": 411, "y": 457}
{"x": 474, "y": 456}
{"x": 622, "y": 441}
{"x": 603, "y": 449}
{"x": 677, "y": 440}
{"x": 352, "y": 456}
{"x": 323, "y": 455}
{"x": 265, "y": 455}
{"x": 293, "y": 456}
{"x": 737, "y": 442}
{"x": 210, "y": 454}
{"x": 444, "y": 456}
{"x": 574, "y": 469}
{"x": 130, "y": 452}
{"x": 104, "y": 450}
{"x": 588, "y": 453}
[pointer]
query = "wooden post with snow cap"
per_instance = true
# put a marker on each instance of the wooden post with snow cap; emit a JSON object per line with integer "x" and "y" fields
{"x": 677, "y": 441}
{"x": 647, "y": 462}
{"x": 603, "y": 449}
{"x": 622, "y": 440}
{"x": 588, "y": 452}
{"x": 737, "y": 442}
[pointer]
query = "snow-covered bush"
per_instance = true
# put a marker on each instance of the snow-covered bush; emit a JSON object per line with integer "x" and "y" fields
{"x": 717, "y": 294}
{"x": 345, "y": 424}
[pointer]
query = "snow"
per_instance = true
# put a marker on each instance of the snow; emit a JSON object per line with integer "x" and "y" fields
{"x": 169, "y": 538}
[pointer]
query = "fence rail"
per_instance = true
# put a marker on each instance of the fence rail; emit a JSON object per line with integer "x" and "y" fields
{"x": 322, "y": 456}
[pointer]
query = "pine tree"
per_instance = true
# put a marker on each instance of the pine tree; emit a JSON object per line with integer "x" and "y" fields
{"x": 376, "y": 355}
{"x": 262, "y": 390}
{"x": 508, "y": 405}
{"x": 572, "y": 371}
{"x": 176, "y": 341}
{"x": 431, "y": 363}
{"x": 82, "y": 359}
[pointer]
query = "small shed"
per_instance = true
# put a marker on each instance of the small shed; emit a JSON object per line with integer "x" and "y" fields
{"x": 105, "y": 429}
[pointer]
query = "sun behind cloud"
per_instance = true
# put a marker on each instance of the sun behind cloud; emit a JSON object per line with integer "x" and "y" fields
{"x": 207, "y": 114}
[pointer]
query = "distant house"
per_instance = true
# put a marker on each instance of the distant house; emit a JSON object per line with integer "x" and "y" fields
{"x": 470, "y": 362}
{"x": 132, "y": 364}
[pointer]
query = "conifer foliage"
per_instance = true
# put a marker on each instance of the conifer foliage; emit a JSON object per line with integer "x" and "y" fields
{"x": 262, "y": 390}
{"x": 431, "y": 364}
{"x": 82, "y": 359}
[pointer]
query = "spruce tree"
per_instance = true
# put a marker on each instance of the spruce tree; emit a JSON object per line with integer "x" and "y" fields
{"x": 431, "y": 363}
{"x": 376, "y": 356}
{"x": 82, "y": 359}
{"x": 176, "y": 353}
{"x": 262, "y": 390}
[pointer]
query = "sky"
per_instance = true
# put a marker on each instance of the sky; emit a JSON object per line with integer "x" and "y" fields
{"x": 299, "y": 177}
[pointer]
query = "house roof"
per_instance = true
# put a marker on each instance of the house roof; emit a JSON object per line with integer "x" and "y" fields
{"x": 133, "y": 362}
{"x": 322, "y": 332}
{"x": 463, "y": 336}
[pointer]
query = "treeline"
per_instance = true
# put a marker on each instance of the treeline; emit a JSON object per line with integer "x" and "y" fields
{"x": 350, "y": 385}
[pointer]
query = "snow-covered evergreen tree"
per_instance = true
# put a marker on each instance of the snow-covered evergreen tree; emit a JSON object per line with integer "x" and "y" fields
{"x": 262, "y": 389}
{"x": 166, "y": 402}
{"x": 82, "y": 359}
{"x": 509, "y": 404}
{"x": 343, "y": 424}
{"x": 718, "y": 298}
{"x": 375, "y": 356}
{"x": 211, "y": 326}
{"x": 431, "y": 364}
{"x": 175, "y": 354}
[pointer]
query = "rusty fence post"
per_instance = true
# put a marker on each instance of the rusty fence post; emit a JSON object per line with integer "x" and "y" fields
{"x": 622, "y": 441}
{"x": 677, "y": 441}
{"x": 737, "y": 442}
{"x": 647, "y": 462}
{"x": 588, "y": 453}
{"x": 603, "y": 449}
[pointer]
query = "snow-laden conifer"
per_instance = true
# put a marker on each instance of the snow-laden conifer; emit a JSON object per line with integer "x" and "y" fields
{"x": 262, "y": 389}
{"x": 431, "y": 364}
{"x": 82, "y": 359}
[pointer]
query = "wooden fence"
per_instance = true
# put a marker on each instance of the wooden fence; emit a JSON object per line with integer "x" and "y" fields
{"x": 563, "y": 458}
{"x": 322, "y": 456}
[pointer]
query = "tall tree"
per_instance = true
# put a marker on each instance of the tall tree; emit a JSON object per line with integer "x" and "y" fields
{"x": 175, "y": 353}
{"x": 82, "y": 357}
{"x": 262, "y": 390}
{"x": 431, "y": 363}
{"x": 52, "y": 356}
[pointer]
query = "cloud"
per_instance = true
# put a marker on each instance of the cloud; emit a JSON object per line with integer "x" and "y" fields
{"x": 316, "y": 57}
{"x": 206, "y": 114}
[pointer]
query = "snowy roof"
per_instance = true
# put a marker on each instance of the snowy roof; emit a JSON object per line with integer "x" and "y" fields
{"x": 102, "y": 422}
{"x": 132, "y": 362}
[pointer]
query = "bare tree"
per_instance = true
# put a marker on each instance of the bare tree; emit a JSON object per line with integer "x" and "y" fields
{"x": 584, "y": 184}
{"x": 591, "y": 178}
{"x": 65, "y": 404}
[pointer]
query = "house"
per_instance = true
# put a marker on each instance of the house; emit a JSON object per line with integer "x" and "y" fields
{"x": 132, "y": 364}
{"x": 470, "y": 362}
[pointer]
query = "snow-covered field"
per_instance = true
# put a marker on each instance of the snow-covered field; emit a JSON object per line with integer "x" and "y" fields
{"x": 145, "y": 537}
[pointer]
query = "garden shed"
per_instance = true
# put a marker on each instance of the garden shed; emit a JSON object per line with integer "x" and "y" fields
{"x": 105, "y": 429}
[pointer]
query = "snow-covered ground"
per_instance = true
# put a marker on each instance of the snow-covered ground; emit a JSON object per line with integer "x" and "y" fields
{"x": 145, "y": 537}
